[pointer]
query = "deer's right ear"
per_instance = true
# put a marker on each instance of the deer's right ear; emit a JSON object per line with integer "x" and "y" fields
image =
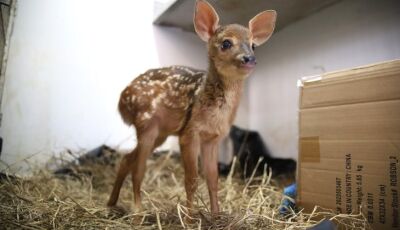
{"x": 205, "y": 20}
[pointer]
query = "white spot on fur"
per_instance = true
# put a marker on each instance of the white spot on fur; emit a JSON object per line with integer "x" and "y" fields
{"x": 156, "y": 101}
{"x": 154, "y": 104}
{"x": 197, "y": 91}
{"x": 189, "y": 71}
{"x": 146, "y": 116}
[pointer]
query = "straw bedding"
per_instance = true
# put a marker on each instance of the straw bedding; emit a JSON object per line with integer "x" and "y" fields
{"x": 76, "y": 200}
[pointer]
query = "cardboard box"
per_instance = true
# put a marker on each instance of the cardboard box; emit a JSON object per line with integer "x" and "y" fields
{"x": 349, "y": 143}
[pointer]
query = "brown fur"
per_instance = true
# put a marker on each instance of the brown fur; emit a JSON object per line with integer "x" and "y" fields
{"x": 197, "y": 106}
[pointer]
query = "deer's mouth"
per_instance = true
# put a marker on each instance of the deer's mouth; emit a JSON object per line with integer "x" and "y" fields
{"x": 247, "y": 66}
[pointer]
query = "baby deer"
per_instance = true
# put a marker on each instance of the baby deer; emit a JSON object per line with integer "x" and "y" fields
{"x": 197, "y": 106}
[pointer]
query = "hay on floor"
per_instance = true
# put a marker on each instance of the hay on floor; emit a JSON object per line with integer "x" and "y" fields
{"x": 77, "y": 200}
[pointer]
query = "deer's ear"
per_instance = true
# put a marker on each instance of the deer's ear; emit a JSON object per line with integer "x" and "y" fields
{"x": 262, "y": 26}
{"x": 205, "y": 20}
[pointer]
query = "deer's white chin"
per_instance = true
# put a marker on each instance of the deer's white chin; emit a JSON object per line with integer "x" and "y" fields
{"x": 235, "y": 72}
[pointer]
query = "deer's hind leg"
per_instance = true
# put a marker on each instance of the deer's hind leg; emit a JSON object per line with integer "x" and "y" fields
{"x": 123, "y": 170}
{"x": 148, "y": 140}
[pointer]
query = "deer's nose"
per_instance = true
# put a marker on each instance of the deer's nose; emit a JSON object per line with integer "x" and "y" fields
{"x": 249, "y": 59}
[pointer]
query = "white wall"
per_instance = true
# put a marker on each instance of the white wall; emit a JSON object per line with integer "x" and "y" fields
{"x": 345, "y": 35}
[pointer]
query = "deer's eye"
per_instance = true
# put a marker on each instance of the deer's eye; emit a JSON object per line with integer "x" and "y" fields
{"x": 226, "y": 44}
{"x": 253, "y": 47}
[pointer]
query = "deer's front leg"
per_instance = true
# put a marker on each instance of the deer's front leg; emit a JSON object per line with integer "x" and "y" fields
{"x": 190, "y": 147}
{"x": 209, "y": 155}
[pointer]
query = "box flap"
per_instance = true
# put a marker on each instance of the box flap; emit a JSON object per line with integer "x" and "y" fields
{"x": 376, "y": 82}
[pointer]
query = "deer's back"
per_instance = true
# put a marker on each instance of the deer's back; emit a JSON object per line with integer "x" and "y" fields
{"x": 162, "y": 95}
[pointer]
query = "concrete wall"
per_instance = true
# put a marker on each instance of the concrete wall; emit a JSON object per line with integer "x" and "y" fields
{"x": 348, "y": 34}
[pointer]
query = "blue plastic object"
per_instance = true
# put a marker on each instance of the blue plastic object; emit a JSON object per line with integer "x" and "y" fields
{"x": 288, "y": 204}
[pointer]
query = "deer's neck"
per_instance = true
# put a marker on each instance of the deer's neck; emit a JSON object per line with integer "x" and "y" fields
{"x": 222, "y": 89}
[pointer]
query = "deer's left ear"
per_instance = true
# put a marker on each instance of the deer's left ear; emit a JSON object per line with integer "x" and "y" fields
{"x": 262, "y": 26}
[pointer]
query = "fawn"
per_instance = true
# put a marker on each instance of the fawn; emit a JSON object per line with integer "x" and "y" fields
{"x": 197, "y": 106}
